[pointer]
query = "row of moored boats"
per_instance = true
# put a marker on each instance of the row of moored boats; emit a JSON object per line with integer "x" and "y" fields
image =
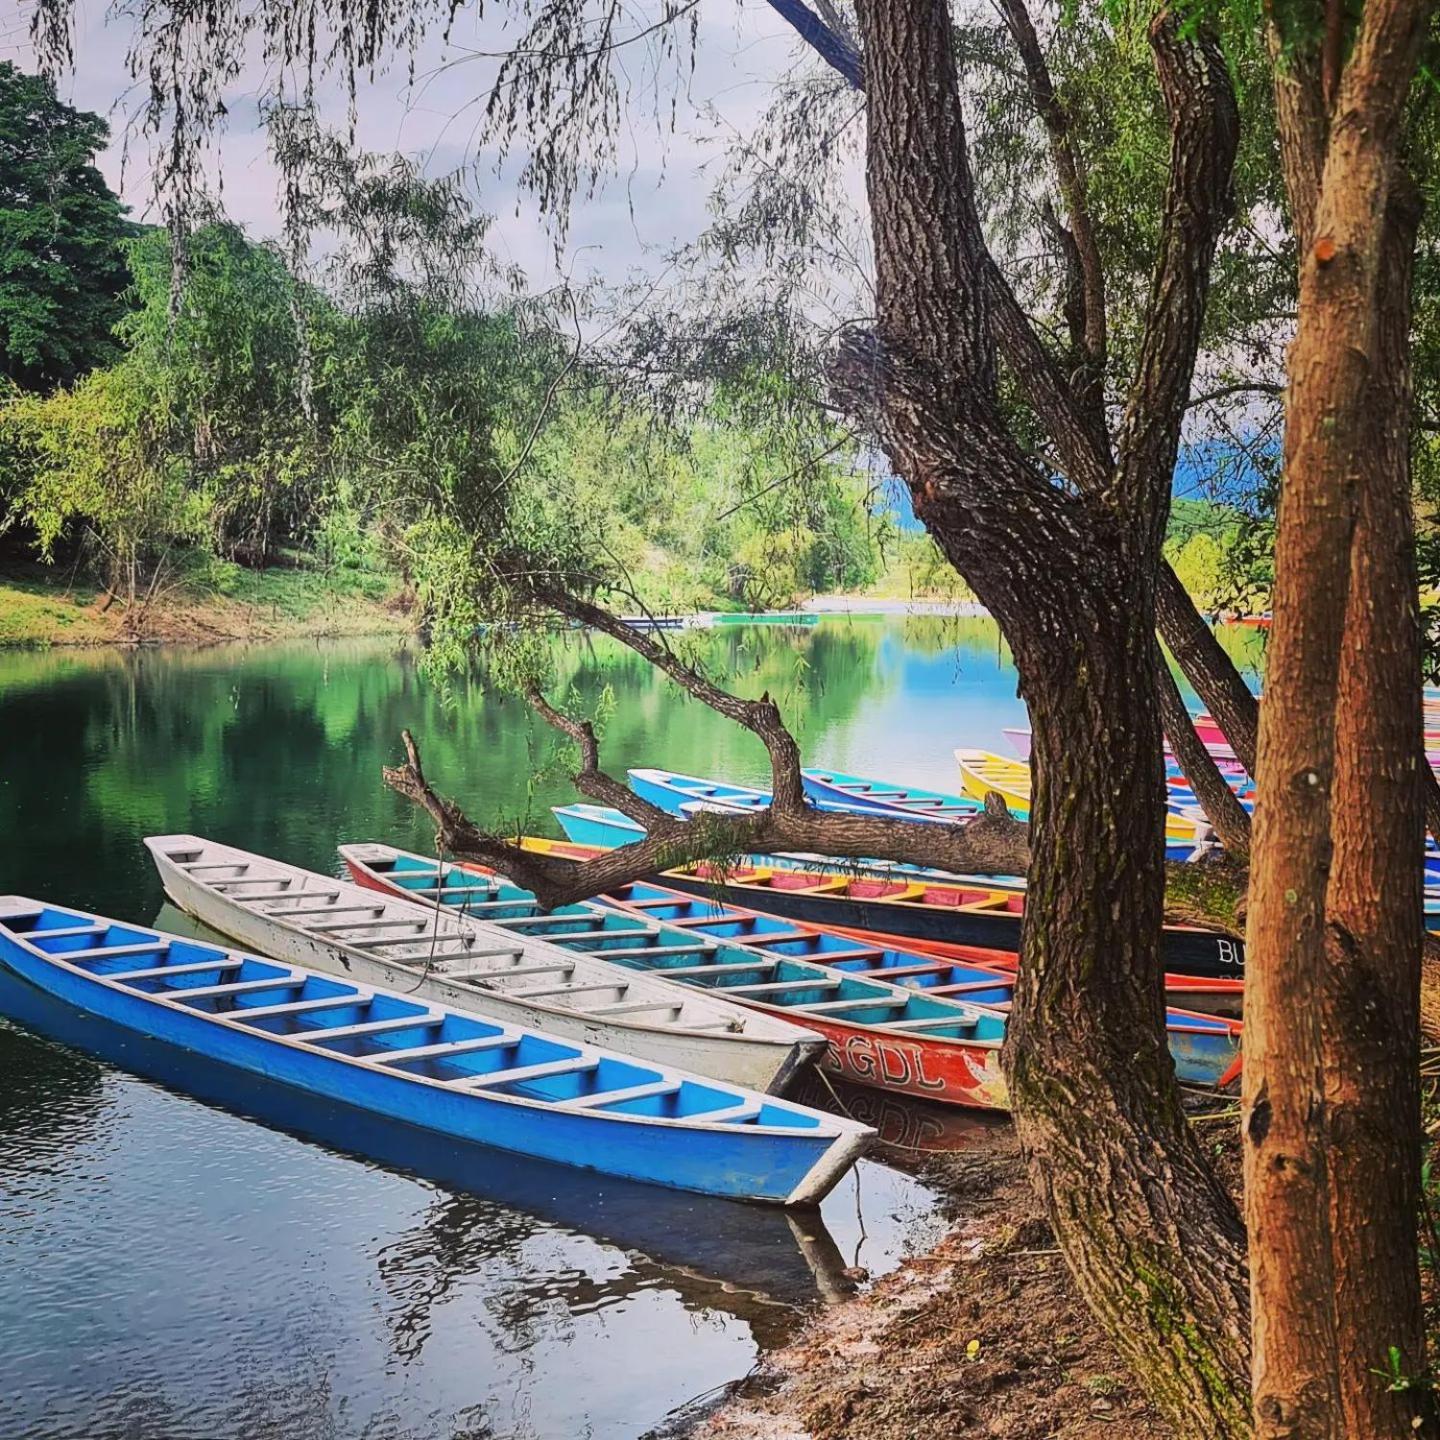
{"x": 650, "y": 1033}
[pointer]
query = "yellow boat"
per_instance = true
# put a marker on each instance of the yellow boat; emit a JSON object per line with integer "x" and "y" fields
{"x": 982, "y": 771}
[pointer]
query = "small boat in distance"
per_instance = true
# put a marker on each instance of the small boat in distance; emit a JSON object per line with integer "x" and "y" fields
{"x": 885, "y": 798}
{"x": 982, "y": 773}
{"x": 466, "y": 963}
{"x": 449, "y": 1072}
{"x": 684, "y": 795}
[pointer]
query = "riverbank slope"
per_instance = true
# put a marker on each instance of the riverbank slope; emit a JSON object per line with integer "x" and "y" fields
{"x": 983, "y": 1335}
{"x": 40, "y": 606}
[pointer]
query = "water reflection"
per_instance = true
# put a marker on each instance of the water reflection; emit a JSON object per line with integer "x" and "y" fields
{"x": 499, "y": 1272}
{"x": 178, "y": 1272}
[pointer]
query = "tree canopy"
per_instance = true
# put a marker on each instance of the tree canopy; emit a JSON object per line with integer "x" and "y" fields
{"x": 62, "y": 266}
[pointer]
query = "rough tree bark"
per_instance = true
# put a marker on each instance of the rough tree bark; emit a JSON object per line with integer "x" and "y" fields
{"x": 1156, "y": 1247}
{"x": 1374, "y": 900}
{"x": 1332, "y": 992}
{"x": 1222, "y": 808}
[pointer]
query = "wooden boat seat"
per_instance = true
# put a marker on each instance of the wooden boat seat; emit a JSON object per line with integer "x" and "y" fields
{"x": 656, "y": 950}
{"x": 760, "y": 939}
{"x": 538, "y": 922}
{"x": 538, "y": 992}
{"x": 295, "y": 1007}
{"x": 963, "y": 1022}
{"x": 732, "y": 1114}
{"x": 880, "y": 1002}
{"x": 638, "y": 1007}
{"x": 970, "y": 986}
{"x": 377, "y": 909}
{"x": 453, "y": 967}
{"x": 719, "y": 967}
{"x": 600, "y": 933}
{"x": 150, "y": 947}
{"x": 893, "y": 972}
{"x": 68, "y": 932}
{"x": 244, "y": 987}
{"x": 774, "y": 987}
{"x": 409, "y": 923}
{"x": 444, "y": 1047}
{"x": 200, "y": 967}
{"x": 474, "y": 907}
{"x": 615, "y": 1097}
{"x": 423, "y": 938}
{"x": 192, "y": 866}
{"x": 304, "y": 895}
{"x": 284, "y": 883}
{"x": 509, "y": 972}
{"x": 375, "y": 1027}
{"x": 573, "y": 1065}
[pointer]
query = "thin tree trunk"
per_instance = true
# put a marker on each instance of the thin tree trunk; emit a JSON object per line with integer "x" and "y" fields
{"x": 1207, "y": 667}
{"x": 1222, "y": 808}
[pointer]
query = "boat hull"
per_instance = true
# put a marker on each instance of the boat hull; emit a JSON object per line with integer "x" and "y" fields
{"x": 1201, "y": 954}
{"x": 1187, "y": 992}
{"x": 791, "y": 1169}
{"x": 757, "y": 1064}
{"x": 954, "y": 1074}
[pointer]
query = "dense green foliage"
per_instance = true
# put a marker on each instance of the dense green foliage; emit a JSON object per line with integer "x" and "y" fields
{"x": 381, "y": 416}
{"x": 61, "y": 266}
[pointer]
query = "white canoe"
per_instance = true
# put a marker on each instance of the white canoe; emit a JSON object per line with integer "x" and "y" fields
{"x": 449, "y": 959}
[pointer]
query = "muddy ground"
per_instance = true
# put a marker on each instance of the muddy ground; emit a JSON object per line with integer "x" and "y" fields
{"x": 982, "y": 1336}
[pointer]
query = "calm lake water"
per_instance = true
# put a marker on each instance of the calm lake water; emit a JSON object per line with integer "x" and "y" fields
{"x": 191, "y": 1257}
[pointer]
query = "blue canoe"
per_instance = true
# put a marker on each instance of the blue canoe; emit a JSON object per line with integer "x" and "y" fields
{"x": 453, "y": 1073}
{"x": 705, "y": 942}
{"x": 685, "y": 794}
{"x": 836, "y": 787}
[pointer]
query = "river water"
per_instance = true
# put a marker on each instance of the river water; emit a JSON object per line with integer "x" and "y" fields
{"x": 192, "y": 1257}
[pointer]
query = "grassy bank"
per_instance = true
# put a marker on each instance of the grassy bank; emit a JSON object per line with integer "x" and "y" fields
{"x": 41, "y": 607}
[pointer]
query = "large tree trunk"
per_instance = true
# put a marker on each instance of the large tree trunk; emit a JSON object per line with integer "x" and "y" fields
{"x": 1332, "y": 993}
{"x": 1374, "y": 901}
{"x": 1153, "y": 1240}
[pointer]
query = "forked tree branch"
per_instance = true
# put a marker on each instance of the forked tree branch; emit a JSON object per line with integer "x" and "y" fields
{"x": 1070, "y": 177}
{"x": 994, "y": 843}
{"x": 590, "y": 780}
{"x": 760, "y": 717}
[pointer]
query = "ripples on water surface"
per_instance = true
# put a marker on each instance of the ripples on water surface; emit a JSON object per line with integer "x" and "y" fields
{"x": 174, "y": 1270}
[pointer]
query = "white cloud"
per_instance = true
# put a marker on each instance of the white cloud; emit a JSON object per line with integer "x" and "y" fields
{"x": 655, "y": 201}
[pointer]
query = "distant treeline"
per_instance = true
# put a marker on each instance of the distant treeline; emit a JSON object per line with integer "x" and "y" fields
{"x": 163, "y": 423}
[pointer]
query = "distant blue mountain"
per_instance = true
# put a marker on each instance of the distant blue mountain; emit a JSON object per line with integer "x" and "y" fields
{"x": 1224, "y": 471}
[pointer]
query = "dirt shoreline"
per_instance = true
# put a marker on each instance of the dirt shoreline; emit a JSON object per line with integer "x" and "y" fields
{"x": 983, "y": 1335}
{"x": 39, "y": 610}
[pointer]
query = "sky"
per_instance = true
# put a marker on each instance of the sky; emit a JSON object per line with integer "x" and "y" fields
{"x": 658, "y": 200}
